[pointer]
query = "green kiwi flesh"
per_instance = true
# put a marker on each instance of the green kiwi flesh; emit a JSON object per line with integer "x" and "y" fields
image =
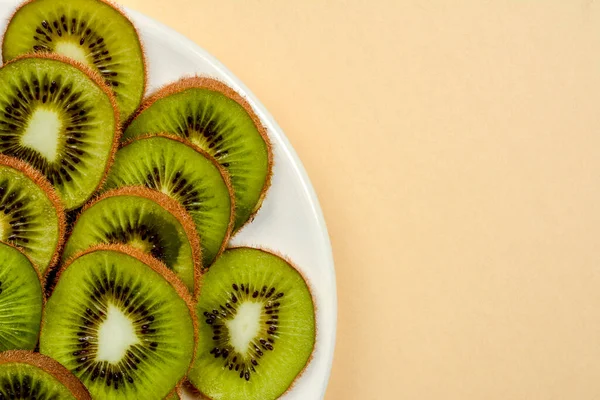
{"x": 214, "y": 117}
{"x": 31, "y": 216}
{"x": 188, "y": 175}
{"x": 28, "y": 375}
{"x": 145, "y": 219}
{"x": 92, "y": 32}
{"x": 257, "y": 327}
{"x": 58, "y": 118}
{"x": 122, "y": 323}
{"x": 21, "y": 301}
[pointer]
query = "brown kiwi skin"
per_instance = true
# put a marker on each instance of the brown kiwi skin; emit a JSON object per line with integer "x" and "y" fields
{"x": 178, "y": 391}
{"x": 197, "y": 392}
{"x": 223, "y": 172}
{"x": 97, "y": 79}
{"x": 39, "y": 179}
{"x": 202, "y": 82}
{"x": 159, "y": 268}
{"x": 174, "y": 208}
{"x": 120, "y": 10}
{"x": 50, "y": 366}
{"x": 188, "y": 387}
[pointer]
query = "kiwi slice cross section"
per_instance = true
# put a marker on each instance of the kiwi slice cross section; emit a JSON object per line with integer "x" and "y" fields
{"x": 60, "y": 119}
{"x": 257, "y": 327}
{"x": 21, "y": 301}
{"x": 146, "y": 219}
{"x": 187, "y": 174}
{"x": 92, "y": 32}
{"x": 121, "y": 322}
{"x": 31, "y": 214}
{"x": 211, "y": 115}
{"x": 28, "y": 375}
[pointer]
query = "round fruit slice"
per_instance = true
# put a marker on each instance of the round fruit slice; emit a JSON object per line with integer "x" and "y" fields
{"x": 92, "y": 32}
{"x": 188, "y": 175}
{"x": 21, "y": 301}
{"x": 31, "y": 215}
{"x": 145, "y": 219}
{"x": 214, "y": 117}
{"x": 27, "y": 375}
{"x": 257, "y": 327}
{"x": 61, "y": 120}
{"x": 122, "y": 323}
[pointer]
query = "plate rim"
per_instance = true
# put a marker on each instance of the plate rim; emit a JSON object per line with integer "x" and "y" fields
{"x": 290, "y": 152}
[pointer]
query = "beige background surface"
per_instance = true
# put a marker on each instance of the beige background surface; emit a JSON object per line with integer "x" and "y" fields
{"x": 454, "y": 147}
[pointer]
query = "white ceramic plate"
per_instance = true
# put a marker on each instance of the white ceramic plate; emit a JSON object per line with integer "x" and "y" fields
{"x": 290, "y": 221}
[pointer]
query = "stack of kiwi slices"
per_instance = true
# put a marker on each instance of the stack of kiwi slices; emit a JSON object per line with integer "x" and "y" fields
{"x": 117, "y": 280}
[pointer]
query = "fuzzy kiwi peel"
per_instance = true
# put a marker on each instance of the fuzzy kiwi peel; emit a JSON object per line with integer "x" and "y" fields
{"x": 186, "y": 173}
{"x": 258, "y": 328}
{"x": 111, "y": 284}
{"x": 55, "y": 99}
{"x": 44, "y": 367}
{"x": 213, "y": 116}
{"x": 174, "y": 395}
{"x": 153, "y": 221}
{"x": 46, "y": 27}
{"x": 38, "y": 204}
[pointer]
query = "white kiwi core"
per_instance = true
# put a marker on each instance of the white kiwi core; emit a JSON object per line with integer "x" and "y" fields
{"x": 43, "y": 133}
{"x": 71, "y": 50}
{"x": 245, "y": 326}
{"x": 116, "y": 335}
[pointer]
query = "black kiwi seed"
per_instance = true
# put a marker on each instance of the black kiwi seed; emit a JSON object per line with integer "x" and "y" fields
{"x": 97, "y": 47}
{"x": 216, "y": 320}
{"x": 19, "y": 213}
{"x": 117, "y": 277}
{"x": 83, "y": 108}
{"x": 104, "y": 290}
{"x": 145, "y": 219}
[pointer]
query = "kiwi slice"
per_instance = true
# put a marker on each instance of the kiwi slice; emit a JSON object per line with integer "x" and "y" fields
{"x": 146, "y": 219}
{"x": 27, "y": 375}
{"x": 93, "y": 32}
{"x": 257, "y": 327}
{"x": 121, "y": 322}
{"x": 21, "y": 301}
{"x": 187, "y": 174}
{"x": 211, "y": 115}
{"x": 31, "y": 214}
{"x": 60, "y": 118}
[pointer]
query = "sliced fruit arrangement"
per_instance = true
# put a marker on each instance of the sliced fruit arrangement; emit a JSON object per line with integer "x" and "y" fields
{"x": 28, "y": 375}
{"x": 21, "y": 301}
{"x": 211, "y": 115}
{"x": 93, "y": 32}
{"x": 122, "y": 322}
{"x": 61, "y": 119}
{"x": 145, "y": 219}
{"x": 31, "y": 214}
{"x": 188, "y": 175}
{"x": 128, "y": 236}
{"x": 258, "y": 328}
